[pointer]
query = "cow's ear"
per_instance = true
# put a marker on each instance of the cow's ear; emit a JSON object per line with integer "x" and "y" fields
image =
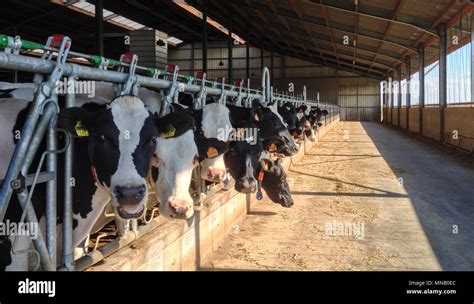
{"x": 265, "y": 160}
{"x": 256, "y": 112}
{"x": 77, "y": 121}
{"x": 272, "y": 145}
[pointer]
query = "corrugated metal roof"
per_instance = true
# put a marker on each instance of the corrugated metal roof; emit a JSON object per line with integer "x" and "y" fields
{"x": 387, "y": 32}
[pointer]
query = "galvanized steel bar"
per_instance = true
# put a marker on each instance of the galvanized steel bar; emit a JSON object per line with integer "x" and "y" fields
{"x": 68, "y": 251}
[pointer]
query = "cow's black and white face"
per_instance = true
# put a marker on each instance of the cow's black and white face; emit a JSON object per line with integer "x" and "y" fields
{"x": 121, "y": 140}
{"x": 274, "y": 181}
{"x": 271, "y": 129}
{"x": 242, "y": 160}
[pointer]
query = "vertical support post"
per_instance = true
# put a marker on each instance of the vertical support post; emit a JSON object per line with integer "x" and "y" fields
{"x": 68, "y": 252}
{"x": 421, "y": 66}
{"x": 193, "y": 49}
{"x": 204, "y": 36}
{"x": 15, "y": 72}
{"x": 229, "y": 52}
{"x": 408, "y": 73}
{"x": 399, "y": 95}
{"x": 247, "y": 62}
{"x": 51, "y": 189}
{"x": 472, "y": 56}
{"x": 392, "y": 98}
{"x": 261, "y": 59}
{"x": 442, "y": 78}
{"x": 271, "y": 68}
{"x": 99, "y": 34}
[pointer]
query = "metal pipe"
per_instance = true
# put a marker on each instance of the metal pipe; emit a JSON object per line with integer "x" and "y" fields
{"x": 39, "y": 242}
{"x": 442, "y": 78}
{"x": 37, "y": 65}
{"x": 229, "y": 52}
{"x": 408, "y": 94}
{"x": 204, "y": 36}
{"x": 68, "y": 255}
{"x": 22, "y": 148}
{"x": 43, "y": 124}
{"x": 399, "y": 95}
{"x": 421, "y": 105}
{"x": 472, "y": 57}
{"x": 271, "y": 68}
{"x": 51, "y": 192}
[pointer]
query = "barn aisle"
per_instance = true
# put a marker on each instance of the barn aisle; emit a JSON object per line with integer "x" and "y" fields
{"x": 367, "y": 197}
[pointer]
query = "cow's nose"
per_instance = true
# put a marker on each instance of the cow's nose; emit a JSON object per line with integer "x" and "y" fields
{"x": 181, "y": 208}
{"x": 130, "y": 195}
{"x": 214, "y": 174}
{"x": 247, "y": 185}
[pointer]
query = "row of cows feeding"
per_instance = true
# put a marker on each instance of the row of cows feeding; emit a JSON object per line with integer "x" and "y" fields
{"x": 123, "y": 150}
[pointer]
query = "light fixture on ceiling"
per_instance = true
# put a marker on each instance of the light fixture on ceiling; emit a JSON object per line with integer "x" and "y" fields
{"x": 160, "y": 43}
{"x": 252, "y": 75}
{"x": 221, "y": 63}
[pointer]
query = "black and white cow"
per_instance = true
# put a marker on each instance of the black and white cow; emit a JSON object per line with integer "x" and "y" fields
{"x": 294, "y": 123}
{"x": 119, "y": 149}
{"x": 249, "y": 164}
{"x": 273, "y": 133}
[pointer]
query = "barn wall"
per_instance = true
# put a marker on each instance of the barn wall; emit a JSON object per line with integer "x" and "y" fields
{"x": 431, "y": 123}
{"x": 317, "y": 78}
{"x": 414, "y": 119}
{"x": 460, "y": 119}
{"x": 403, "y": 118}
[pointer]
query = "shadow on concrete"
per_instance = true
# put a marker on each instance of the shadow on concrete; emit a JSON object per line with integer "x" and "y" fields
{"x": 262, "y": 213}
{"x": 355, "y": 194}
{"x": 441, "y": 190}
{"x": 336, "y": 161}
{"x": 395, "y": 194}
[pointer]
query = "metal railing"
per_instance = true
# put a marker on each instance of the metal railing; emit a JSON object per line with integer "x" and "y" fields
{"x": 41, "y": 120}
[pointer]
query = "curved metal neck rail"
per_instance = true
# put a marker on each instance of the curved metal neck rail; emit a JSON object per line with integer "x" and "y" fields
{"x": 10, "y": 59}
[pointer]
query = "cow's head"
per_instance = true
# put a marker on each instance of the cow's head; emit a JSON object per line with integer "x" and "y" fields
{"x": 175, "y": 153}
{"x": 272, "y": 130}
{"x": 215, "y": 125}
{"x": 243, "y": 155}
{"x": 121, "y": 138}
{"x": 274, "y": 180}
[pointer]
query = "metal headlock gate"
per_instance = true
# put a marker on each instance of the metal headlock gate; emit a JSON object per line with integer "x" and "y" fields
{"x": 41, "y": 121}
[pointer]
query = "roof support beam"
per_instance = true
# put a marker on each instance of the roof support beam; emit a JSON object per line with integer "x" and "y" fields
{"x": 389, "y": 27}
{"x": 356, "y": 25}
{"x": 327, "y": 20}
{"x": 335, "y": 27}
{"x": 371, "y": 13}
{"x": 295, "y": 4}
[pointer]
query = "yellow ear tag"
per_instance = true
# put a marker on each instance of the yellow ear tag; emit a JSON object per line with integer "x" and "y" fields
{"x": 212, "y": 152}
{"x": 257, "y": 118}
{"x": 169, "y": 134}
{"x": 80, "y": 130}
{"x": 272, "y": 148}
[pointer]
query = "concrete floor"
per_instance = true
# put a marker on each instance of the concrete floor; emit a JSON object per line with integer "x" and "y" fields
{"x": 402, "y": 203}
